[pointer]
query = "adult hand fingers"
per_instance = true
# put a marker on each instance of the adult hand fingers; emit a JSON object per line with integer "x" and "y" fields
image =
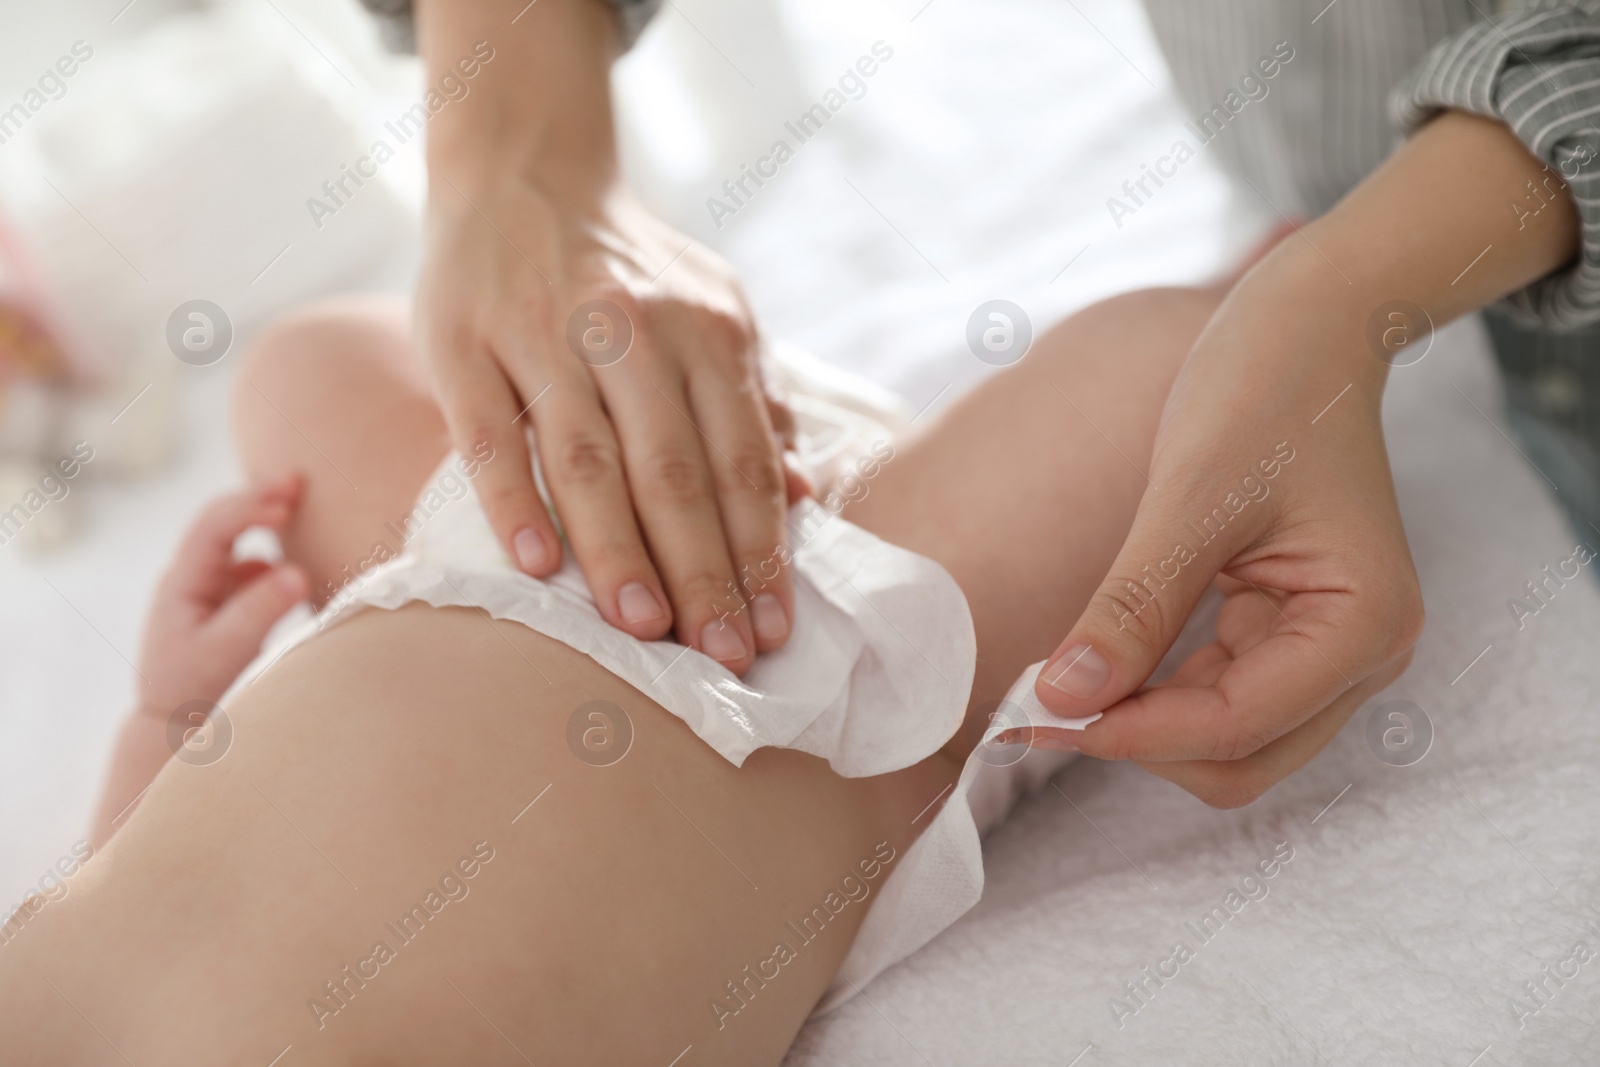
{"x": 1320, "y": 647}
{"x": 748, "y": 470}
{"x": 582, "y": 463}
{"x": 488, "y": 420}
{"x": 796, "y": 480}
{"x": 775, "y": 398}
{"x": 675, "y": 493}
{"x": 1142, "y": 604}
{"x": 1235, "y": 783}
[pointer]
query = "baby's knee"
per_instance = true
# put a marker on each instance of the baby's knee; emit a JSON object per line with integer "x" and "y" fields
{"x": 317, "y": 362}
{"x": 1148, "y": 331}
{"x": 324, "y": 342}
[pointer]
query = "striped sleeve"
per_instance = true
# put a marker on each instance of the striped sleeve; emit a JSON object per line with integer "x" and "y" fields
{"x": 399, "y": 32}
{"x": 1537, "y": 69}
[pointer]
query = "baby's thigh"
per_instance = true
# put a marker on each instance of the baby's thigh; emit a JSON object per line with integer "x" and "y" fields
{"x": 412, "y": 853}
{"x": 1024, "y": 488}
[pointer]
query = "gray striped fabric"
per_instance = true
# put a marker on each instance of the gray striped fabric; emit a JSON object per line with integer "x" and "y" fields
{"x": 1537, "y": 70}
{"x": 1362, "y": 71}
{"x": 1365, "y": 69}
{"x": 399, "y": 33}
{"x": 1323, "y": 124}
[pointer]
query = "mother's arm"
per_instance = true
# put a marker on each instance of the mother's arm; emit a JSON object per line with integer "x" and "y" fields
{"x": 551, "y": 299}
{"x": 1270, "y": 469}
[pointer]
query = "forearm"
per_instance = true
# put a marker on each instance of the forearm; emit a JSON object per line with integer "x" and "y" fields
{"x": 540, "y": 109}
{"x": 1436, "y": 225}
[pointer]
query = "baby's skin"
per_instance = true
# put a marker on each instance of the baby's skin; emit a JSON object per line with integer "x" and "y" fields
{"x": 210, "y": 614}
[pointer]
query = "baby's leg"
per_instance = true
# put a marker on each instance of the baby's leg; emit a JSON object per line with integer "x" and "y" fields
{"x": 1025, "y": 487}
{"x": 606, "y": 914}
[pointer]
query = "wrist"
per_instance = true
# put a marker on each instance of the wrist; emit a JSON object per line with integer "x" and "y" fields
{"x": 570, "y": 160}
{"x": 538, "y": 110}
{"x": 575, "y": 188}
{"x": 1431, "y": 226}
{"x": 1334, "y": 316}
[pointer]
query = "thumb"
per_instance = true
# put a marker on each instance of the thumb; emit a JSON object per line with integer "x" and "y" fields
{"x": 1164, "y": 568}
{"x": 241, "y": 624}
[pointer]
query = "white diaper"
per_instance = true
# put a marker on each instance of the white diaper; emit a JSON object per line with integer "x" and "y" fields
{"x": 875, "y": 676}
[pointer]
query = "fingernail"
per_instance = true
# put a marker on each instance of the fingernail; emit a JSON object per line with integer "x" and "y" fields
{"x": 1079, "y": 672}
{"x": 532, "y": 555}
{"x": 1055, "y": 744}
{"x": 771, "y": 621}
{"x": 722, "y": 642}
{"x": 638, "y": 604}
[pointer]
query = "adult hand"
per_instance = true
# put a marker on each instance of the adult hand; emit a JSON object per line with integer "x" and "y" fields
{"x": 1270, "y": 476}
{"x": 553, "y": 306}
{"x": 1296, "y": 523}
{"x": 630, "y": 353}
